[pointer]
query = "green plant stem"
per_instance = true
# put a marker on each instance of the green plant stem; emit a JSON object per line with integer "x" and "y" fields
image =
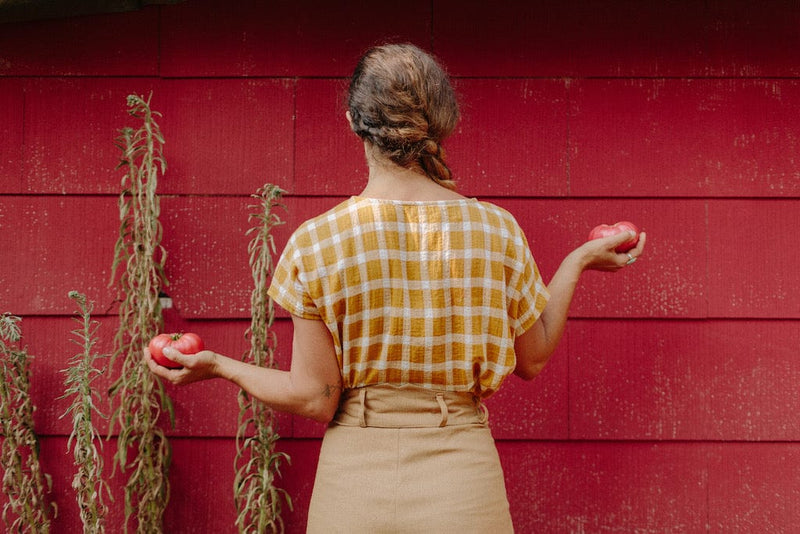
{"x": 258, "y": 500}
{"x": 142, "y": 446}
{"x": 88, "y": 482}
{"x": 24, "y": 482}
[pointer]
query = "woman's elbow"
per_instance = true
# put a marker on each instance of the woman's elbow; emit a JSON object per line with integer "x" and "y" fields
{"x": 529, "y": 366}
{"x": 322, "y": 410}
{"x": 532, "y": 351}
{"x": 324, "y": 416}
{"x": 528, "y": 372}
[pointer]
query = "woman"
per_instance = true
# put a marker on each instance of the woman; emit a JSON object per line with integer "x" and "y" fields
{"x": 410, "y": 304}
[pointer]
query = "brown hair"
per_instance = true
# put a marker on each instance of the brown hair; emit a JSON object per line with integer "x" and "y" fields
{"x": 402, "y": 102}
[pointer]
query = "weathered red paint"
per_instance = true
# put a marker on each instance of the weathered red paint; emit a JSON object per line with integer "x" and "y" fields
{"x": 96, "y": 45}
{"x": 526, "y": 153}
{"x": 301, "y": 38}
{"x": 71, "y": 124}
{"x": 11, "y": 131}
{"x": 596, "y": 486}
{"x": 52, "y": 245}
{"x": 684, "y": 138}
{"x": 753, "y": 488}
{"x": 671, "y": 404}
{"x": 753, "y": 258}
{"x": 330, "y": 158}
{"x": 626, "y": 39}
{"x": 226, "y": 136}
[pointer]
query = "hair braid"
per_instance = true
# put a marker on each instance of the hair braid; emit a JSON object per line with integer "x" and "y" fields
{"x": 401, "y": 101}
{"x": 432, "y": 161}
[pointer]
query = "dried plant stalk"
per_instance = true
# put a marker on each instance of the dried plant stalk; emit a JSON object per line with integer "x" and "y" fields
{"x": 88, "y": 482}
{"x": 24, "y": 482}
{"x": 142, "y": 446}
{"x": 258, "y": 500}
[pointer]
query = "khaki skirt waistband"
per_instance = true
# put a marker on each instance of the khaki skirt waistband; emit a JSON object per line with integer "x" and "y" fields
{"x": 406, "y": 460}
{"x": 385, "y": 406}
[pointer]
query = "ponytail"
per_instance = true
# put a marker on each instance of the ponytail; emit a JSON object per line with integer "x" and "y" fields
{"x": 432, "y": 162}
{"x": 401, "y": 101}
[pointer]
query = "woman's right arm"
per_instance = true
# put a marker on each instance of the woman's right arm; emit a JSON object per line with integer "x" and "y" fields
{"x": 535, "y": 346}
{"x": 310, "y": 388}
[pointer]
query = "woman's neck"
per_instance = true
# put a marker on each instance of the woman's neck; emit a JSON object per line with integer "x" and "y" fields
{"x": 392, "y": 182}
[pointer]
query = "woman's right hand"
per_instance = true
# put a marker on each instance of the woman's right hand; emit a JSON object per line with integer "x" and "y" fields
{"x": 600, "y": 254}
{"x": 536, "y": 345}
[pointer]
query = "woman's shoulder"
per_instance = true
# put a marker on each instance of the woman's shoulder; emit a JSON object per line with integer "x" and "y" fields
{"x": 499, "y": 215}
{"x": 343, "y": 208}
{"x": 325, "y": 223}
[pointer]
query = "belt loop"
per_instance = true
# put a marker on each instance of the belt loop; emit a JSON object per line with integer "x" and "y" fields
{"x": 484, "y": 412}
{"x": 442, "y": 407}
{"x": 362, "y": 397}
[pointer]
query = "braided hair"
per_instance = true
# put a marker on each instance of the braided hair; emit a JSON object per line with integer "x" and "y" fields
{"x": 401, "y": 101}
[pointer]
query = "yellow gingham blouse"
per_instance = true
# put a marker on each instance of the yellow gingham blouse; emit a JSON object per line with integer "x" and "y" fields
{"x": 427, "y": 293}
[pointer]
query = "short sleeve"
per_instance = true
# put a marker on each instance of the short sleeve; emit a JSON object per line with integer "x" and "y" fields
{"x": 528, "y": 294}
{"x": 288, "y": 288}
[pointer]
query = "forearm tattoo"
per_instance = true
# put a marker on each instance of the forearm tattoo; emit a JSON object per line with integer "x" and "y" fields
{"x": 331, "y": 389}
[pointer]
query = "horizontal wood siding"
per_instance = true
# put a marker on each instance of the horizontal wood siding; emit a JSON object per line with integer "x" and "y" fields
{"x": 671, "y": 405}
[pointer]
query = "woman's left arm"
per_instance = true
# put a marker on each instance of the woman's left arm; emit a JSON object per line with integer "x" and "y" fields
{"x": 310, "y": 388}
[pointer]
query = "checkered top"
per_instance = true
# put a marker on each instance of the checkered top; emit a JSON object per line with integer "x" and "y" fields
{"x": 424, "y": 293}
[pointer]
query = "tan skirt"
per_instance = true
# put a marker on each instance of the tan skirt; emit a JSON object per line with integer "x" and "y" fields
{"x": 409, "y": 460}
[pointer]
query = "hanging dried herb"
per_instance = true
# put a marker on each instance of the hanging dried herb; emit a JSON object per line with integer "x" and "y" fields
{"x": 84, "y": 441}
{"x": 24, "y": 482}
{"x": 258, "y": 499}
{"x": 142, "y": 448}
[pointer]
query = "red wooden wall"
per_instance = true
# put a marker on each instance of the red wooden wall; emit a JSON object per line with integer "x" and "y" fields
{"x": 672, "y": 404}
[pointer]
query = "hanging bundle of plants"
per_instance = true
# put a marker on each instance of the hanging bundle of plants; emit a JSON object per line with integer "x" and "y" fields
{"x": 142, "y": 449}
{"x": 258, "y": 500}
{"x": 24, "y": 482}
{"x": 88, "y": 482}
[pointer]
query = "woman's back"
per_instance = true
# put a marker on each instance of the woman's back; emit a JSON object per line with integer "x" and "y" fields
{"x": 427, "y": 293}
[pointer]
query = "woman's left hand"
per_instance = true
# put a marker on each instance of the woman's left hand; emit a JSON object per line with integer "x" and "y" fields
{"x": 195, "y": 367}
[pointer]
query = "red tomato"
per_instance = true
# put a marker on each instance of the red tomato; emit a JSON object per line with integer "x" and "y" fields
{"x": 184, "y": 343}
{"x": 605, "y": 230}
